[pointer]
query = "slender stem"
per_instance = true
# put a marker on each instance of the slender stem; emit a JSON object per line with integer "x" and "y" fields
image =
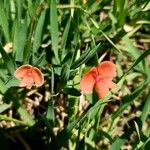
{"x": 4, "y": 117}
{"x": 72, "y": 6}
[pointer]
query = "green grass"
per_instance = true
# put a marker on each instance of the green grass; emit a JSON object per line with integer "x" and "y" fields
{"x": 64, "y": 39}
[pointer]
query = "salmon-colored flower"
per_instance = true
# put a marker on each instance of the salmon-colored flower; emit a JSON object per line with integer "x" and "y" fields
{"x": 29, "y": 76}
{"x": 100, "y": 78}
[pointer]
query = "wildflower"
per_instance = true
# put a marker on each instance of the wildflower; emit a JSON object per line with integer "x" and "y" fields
{"x": 100, "y": 78}
{"x": 29, "y": 76}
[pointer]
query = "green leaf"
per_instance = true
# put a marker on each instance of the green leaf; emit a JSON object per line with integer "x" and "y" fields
{"x": 19, "y": 41}
{"x": 7, "y": 61}
{"x": 146, "y": 109}
{"x": 4, "y": 22}
{"x": 139, "y": 59}
{"x": 65, "y": 72}
{"x": 121, "y": 140}
{"x": 3, "y": 88}
{"x": 127, "y": 100}
{"x": 65, "y": 36}
{"x": 87, "y": 55}
{"x": 66, "y": 133}
{"x": 130, "y": 47}
{"x": 19, "y": 8}
{"x": 4, "y": 107}
{"x": 25, "y": 116}
{"x": 41, "y": 60}
{"x": 38, "y": 33}
{"x": 54, "y": 28}
{"x": 50, "y": 111}
{"x": 12, "y": 82}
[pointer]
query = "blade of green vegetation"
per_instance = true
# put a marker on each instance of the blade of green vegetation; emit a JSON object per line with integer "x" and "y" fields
{"x": 19, "y": 41}
{"x": 65, "y": 36}
{"x": 25, "y": 116}
{"x": 65, "y": 134}
{"x": 146, "y": 109}
{"x": 12, "y": 82}
{"x": 139, "y": 59}
{"x": 4, "y": 22}
{"x": 135, "y": 53}
{"x": 54, "y": 28}
{"x": 87, "y": 55}
{"x": 127, "y": 100}
{"x": 19, "y": 8}
{"x": 4, "y": 107}
{"x": 7, "y": 61}
{"x": 50, "y": 111}
{"x": 137, "y": 130}
{"x": 121, "y": 140}
{"x": 41, "y": 60}
{"x": 38, "y": 34}
{"x": 3, "y": 88}
{"x": 119, "y": 11}
{"x": 65, "y": 72}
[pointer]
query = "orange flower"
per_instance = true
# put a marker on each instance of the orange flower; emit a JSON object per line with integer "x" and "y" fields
{"x": 29, "y": 76}
{"x": 99, "y": 77}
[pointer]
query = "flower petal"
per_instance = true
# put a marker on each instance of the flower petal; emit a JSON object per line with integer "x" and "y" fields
{"x": 37, "y": 76}
{"x": 107, "y": 69}
{"x": 22, "y": 71}
{"x": 113, "y": 85}
{"x": 88, "y": 81}
{"x": 101, "y": 88}
{"x": 26, "y": 82}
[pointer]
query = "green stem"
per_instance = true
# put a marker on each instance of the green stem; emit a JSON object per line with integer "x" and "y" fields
{"x": 4, "y": 117}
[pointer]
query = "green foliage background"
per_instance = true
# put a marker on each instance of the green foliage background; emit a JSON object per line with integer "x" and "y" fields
{"x": 65, "y": 38}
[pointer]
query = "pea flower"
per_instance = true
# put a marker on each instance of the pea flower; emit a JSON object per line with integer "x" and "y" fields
{"x": 29, "y": 76}
{"x": 100, "y": 78}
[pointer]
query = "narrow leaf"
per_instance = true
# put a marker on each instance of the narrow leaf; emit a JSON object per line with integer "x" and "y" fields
{"x": 4, "y": 107}
{"x": 146, "y": 108}
{"x": 4, "y": 22}
{"x": 127, "y": 100}
{"x": 121, "y": 140}
{"x": 54, "y": 28}
{"x": 38, "y": 33}
{"x": 25, "y": 116}
{"x": 87, "y": 55}
{"x": 19, "y": 39}
{"x": 65, "y": 36}
{"x": 7, "y": 61}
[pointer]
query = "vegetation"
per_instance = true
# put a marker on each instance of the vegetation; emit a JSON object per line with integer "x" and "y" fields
{"x": 65, "y": 39}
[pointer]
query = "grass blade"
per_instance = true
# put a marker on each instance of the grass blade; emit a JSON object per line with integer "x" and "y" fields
{"x": 146, "y": 108}
{"x": 38, "y": 34}
{"x": 127, "y": 100}
{"x": 25, "y": 116}
{"x": 4, "y": 22}
{"x": 121, "y": 140}
{"x": 87, "y": 55}
{"x": 20, "y": 40}
{"x": 7, "y": 61}
{"x": 54, "y": 28}
{"x": 139, "y": 59}
{"x": 65, "y": 36}
{"x": 4, "y": 107}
